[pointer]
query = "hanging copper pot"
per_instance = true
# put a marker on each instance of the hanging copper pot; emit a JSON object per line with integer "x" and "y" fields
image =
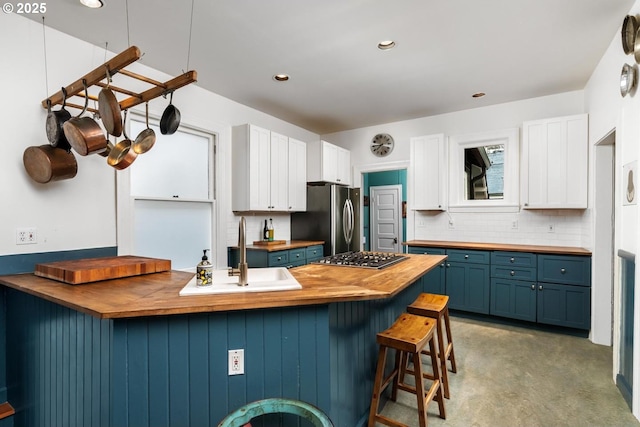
{"x": 109, "y": 108}
{"x": 55, "y": 121}
{"x": 83, "y": 133}
{"x": 122, "y": 154}
{"x": 46, "y": 163}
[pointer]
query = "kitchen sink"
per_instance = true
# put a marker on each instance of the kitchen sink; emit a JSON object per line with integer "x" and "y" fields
{"x": 260, "y": 280}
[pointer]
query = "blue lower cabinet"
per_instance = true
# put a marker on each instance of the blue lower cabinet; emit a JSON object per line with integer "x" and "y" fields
{"x": 434, "y": 281}
{"x": 286, "y": 258}
{"x": 468, "y": 286}
{"x": 514, "y": 299}
{"x": 564, "y": 305}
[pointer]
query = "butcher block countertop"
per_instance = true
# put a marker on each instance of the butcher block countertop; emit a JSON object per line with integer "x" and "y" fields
{"x": 156, "y": 294}
{"x": 558, "y": 250}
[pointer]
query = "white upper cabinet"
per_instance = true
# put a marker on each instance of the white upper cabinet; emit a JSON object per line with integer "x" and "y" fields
{"x": 327, "y": 162}
{"x": 263, "y": 176}
{"x": 555, "y": 163}
{"x": 297, "y": 175}
{"x": 428, "y": 173}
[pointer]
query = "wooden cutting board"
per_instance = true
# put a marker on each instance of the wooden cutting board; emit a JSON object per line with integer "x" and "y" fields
{"x": 76, "y": 272}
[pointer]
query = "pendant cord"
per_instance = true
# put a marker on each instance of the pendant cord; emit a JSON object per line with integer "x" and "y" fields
{"x": 46, "y": 68}
{"x": 128, "y": 38}
{"x": 190, "y": 31}
{"x": 106, "y": 47}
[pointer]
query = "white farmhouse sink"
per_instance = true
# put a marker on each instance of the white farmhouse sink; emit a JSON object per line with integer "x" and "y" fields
{"x": 260, "y": 280}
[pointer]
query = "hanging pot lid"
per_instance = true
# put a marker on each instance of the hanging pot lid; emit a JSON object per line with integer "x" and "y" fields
{"x": 629, "y": 29}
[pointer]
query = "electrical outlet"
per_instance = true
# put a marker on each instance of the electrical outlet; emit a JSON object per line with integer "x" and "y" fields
{"x": 236, "y": 362}
{"x": 514, "y": 224}
{"x": 26, "y": 236}
{"x": 551, "y": 228}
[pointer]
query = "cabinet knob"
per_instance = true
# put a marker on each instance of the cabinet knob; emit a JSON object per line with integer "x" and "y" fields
{"x": 526, "y": 204}
{"x": 562, "y": 270}
{"x": 512, "y": 260}
{"x": 279, "y": 258}
{"x": 297, "y": 255}
{"x": 466, "y": 257}
{"x": 448, "y": 265}
{"x": 540, "y": 287}
{"x": 442, "y": 265}
{"x": 513, "y": 273}
{"x": 289, "y": 207}
{"x": 533, "y": 287}
{"x": 439, "y": 206}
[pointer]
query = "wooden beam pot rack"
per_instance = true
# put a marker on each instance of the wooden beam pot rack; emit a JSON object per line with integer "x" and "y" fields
{"x": 116, "y": 65}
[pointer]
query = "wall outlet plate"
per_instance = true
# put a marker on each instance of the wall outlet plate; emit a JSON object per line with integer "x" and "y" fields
{"x": 26, "y": 236}
{"x": 236, "y": 362}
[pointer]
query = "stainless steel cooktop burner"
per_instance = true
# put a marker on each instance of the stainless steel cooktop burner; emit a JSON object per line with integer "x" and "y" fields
{"x": 376, "y": 260}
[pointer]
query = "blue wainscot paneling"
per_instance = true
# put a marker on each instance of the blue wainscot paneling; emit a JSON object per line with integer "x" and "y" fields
{"x": 66, "y": 368}
{"x": 23, "y": 369}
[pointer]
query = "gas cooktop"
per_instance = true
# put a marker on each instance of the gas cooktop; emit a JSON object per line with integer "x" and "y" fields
{"x": 375, "y": 260}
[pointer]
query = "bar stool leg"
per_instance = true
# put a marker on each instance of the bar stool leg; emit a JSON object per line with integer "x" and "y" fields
{"x": 439, "y": 397}
{"x": 452, "y": 356}
{"x": 420, "y": 392}
{"x": 377, "y": 386}
{"x": 442, "y": 352}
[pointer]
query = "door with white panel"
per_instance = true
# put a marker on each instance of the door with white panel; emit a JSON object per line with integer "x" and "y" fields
{"x": 385, "y": 222}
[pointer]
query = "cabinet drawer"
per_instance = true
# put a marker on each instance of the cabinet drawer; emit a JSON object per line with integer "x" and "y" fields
{"x": 518, "y": 259}
{"x": 297, "y": 255}
{"x": 426, "y": 251}
{"x": 513, "y": 272}
{"x": 570, "y": 270}
{"x": 471, "y": 257}
{"x": 278, "y": 258}
{"x": 314, "y": 252}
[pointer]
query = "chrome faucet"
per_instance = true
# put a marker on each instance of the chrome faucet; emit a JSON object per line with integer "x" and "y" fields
{"x": 243, "y": 267}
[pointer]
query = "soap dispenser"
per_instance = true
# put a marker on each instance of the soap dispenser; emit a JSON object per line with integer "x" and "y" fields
{"x": 204, "y": 273}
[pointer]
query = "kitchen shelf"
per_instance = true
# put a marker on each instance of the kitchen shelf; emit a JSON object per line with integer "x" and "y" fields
{"x": 114, "y": 66}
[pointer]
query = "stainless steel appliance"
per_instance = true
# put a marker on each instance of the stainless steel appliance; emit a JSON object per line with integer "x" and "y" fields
{"x": 333, "y": 215}
{"x": 375, "y": 260}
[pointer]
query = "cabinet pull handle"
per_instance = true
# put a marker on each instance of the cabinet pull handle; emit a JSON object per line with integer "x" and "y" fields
{"x": 562, "y": 270}
{"x": 512, "y": 260}
{"x": 533, "y": 287}
{"x": 513, "y": 273}
{"x": 540, "y": 287}
{"x": 466, "y": 257}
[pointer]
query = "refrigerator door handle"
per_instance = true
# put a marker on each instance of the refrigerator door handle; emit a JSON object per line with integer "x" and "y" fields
{"x": 348, "y": 220}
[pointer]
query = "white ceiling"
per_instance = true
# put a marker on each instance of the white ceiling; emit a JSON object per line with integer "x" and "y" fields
{"x": 446, "y": 51}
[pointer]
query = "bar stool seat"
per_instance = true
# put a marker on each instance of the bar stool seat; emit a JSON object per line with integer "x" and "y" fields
{"x": 408, "y": 335}
{"x": 436, "y": 307}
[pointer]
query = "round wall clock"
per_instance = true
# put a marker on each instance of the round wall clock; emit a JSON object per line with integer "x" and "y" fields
{"x": 382, "y": 144}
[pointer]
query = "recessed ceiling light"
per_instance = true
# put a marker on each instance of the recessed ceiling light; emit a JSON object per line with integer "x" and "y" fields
{"x": 386, "y": 45}
{"x": 478, "y": 95}
{"x": 93, "y": 4}
{"x": 281, "y": 77}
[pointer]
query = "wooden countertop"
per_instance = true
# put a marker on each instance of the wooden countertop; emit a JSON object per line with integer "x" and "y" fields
{"x": 558, "y": 250}
{"x": 290, "y": 244}
{"x": 157, "y": 294}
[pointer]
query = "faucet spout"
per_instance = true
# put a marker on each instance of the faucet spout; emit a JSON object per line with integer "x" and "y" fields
{"x": 242, "y": 270}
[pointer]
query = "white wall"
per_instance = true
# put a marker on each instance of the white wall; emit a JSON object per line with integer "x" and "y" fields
{"x": 80, "y": 212}
{"x": 608, "y": 111}
{"x": 571, "y": 227}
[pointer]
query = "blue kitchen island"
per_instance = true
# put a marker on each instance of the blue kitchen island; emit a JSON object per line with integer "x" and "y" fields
{"x": 131, "y": 352}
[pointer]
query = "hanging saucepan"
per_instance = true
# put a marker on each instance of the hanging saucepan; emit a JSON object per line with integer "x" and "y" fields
{"x": 46, "y": 163}
{"x": 110, "y": 110}
{"x": 83, "y": 133}
{"x": 145, "y": 139}
{"x": 55, "y": 120}
{"x": 629, "y": 28}
{"x": 627, "y": 79}
{"x": 122, "y": 155}
{"x": 170, "y": 119}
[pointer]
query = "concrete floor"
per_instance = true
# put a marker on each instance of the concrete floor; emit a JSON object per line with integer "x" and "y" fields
{"x": 515, "y": 376}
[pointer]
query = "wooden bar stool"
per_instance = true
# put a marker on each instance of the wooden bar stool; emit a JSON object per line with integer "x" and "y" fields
{"x": 408, "y": 336}
{"x": 437, "y": 307}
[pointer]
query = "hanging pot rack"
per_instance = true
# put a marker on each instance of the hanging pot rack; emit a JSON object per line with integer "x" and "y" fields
{"x": 116, "y": 65}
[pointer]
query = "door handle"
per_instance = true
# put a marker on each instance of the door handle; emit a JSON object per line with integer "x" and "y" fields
{"x": 395, "y": 240}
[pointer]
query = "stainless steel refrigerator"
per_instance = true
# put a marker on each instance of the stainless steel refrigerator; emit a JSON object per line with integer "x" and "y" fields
{"x": 333, "y": 215}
